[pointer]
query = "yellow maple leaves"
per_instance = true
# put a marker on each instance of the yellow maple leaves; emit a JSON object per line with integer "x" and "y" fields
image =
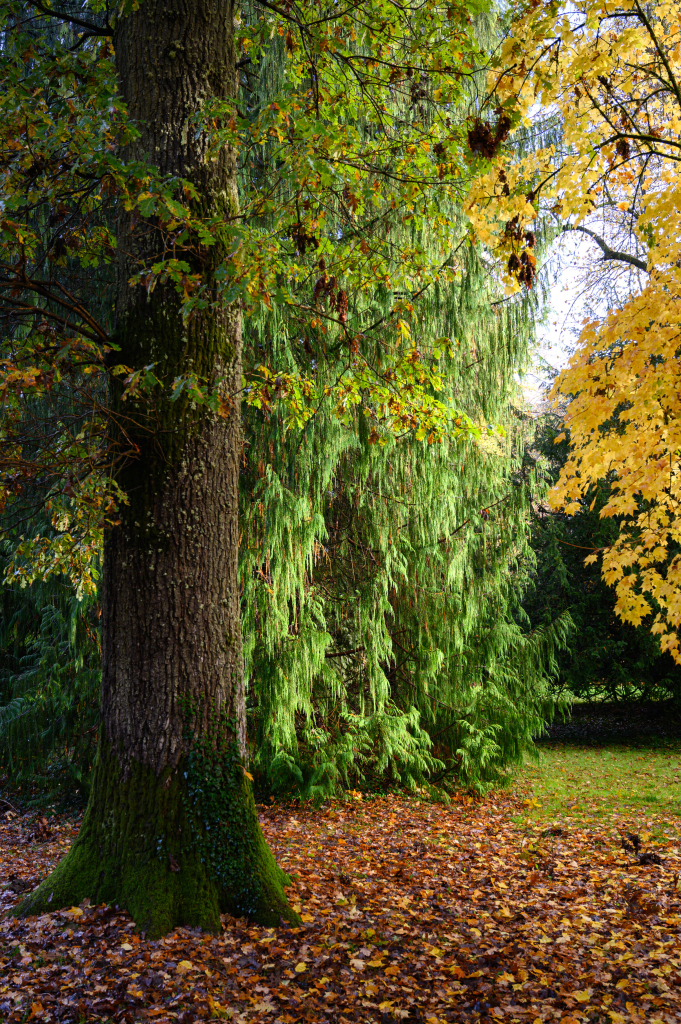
{"x": 609, "y": 76}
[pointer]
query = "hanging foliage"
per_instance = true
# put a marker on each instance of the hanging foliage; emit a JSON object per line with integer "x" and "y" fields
{"x": 381, "y": 569}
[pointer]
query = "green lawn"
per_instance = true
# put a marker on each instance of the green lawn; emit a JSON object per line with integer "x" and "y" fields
{"x": 579, "y": 782}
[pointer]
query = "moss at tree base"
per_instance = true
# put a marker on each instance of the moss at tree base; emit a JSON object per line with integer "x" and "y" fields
{"x": 147, "y": 845}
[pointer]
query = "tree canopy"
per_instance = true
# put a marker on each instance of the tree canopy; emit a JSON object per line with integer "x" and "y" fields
{"x": 606, "y": 78}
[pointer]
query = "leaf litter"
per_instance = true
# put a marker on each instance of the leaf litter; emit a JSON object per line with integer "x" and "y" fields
{"x": 411, "y": 911}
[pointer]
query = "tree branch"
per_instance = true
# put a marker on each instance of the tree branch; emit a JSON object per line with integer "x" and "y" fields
{"x": 343, "y": 654}
{"x": 608, "y": 253}
{"x": 580, "y": 546}
{"x": 88, "y": 26}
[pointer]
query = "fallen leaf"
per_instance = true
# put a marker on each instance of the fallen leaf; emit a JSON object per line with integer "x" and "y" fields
{"x": 216, "y": 1010}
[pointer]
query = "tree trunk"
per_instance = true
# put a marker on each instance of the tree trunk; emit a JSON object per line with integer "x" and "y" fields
{"x": 171, "y": 831}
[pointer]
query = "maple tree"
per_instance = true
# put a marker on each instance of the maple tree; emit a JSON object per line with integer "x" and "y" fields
{"x": 609, "y": 74}
{"x": 606, "y": 658}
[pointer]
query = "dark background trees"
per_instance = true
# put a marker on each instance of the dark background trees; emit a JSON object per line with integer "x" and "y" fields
{"x": 606, "y": 658}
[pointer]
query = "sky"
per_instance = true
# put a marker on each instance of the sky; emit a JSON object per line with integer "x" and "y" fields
{"x": 556, "y": 338}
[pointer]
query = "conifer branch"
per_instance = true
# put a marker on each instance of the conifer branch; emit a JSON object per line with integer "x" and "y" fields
{"x": 342, "y": 654}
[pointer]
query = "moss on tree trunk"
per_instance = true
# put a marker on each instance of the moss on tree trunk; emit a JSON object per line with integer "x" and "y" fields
{"x": 154, "y": 846}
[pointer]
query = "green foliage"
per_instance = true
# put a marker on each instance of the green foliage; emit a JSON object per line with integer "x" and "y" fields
{"x": 380, "y": 582}
{"x": 607, "y": 658}
{"x": 386, "y": 487}
{"x": 382, "y": 561}
{"x": 49, "y": 690}
{"x": 331, "y": 167}
{"x": 387, "y": 748}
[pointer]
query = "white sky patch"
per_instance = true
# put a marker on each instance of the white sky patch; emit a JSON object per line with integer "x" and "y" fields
{"x": 557, "y": 337}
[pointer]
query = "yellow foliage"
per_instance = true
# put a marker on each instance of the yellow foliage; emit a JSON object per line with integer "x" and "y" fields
{"x": 612, "y": 73}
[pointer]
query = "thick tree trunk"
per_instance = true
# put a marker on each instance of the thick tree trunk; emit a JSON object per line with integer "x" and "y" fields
{"x": 171, "y": 832}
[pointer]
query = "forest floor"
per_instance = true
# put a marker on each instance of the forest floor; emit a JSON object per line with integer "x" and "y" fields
{"x": 524, "y": 907}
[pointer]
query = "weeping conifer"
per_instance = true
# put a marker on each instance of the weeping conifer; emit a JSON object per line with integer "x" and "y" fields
{"x": 381, "y": 585}
{"x": 381, "y": 576}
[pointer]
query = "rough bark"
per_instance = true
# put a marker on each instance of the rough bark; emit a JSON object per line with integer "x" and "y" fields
{"x": 171, "y": 831}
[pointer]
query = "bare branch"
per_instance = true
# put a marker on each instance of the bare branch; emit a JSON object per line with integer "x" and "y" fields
{"x": 88, "y": 26}
{"x": 608, "y": 253}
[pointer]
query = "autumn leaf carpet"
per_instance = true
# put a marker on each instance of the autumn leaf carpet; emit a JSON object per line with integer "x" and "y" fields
{"x": 411, "y": 912}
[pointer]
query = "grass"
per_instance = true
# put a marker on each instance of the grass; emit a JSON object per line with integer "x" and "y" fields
{"x": 614, "y": 781}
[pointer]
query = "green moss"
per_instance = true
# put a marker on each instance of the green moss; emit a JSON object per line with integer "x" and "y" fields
{"x": 227, "y": 836}
{"x": 151, "y": 846}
